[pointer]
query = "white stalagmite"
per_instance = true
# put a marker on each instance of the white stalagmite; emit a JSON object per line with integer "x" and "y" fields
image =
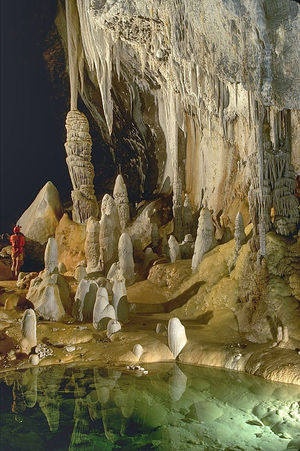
{"x": 176, "y": 336}
{"x": 91, "y": 246}
{"x": 51, "y": 307}
{"x": 125, "y": 251}
{"x": 80, "y": 273}
{"x": 138, "y": 351}
{"x": 28, "y": 328}
{"x": 205, "y": 240}
{"x": 174, "y": 249}
{"x": 187, "y": 216}
{"x": 85, "y": 298}
{"x": 239, "y": 232}
{"x": 103, "y": 311}
{"x": 121, "y": 200}
{"x": 51, "y": 256}
{"x": 113, "y": 326}
{"x": 109, "y": 233}
{"x": 120, "y": 302}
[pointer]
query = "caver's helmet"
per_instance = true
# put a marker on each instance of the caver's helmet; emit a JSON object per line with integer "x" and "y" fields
{"x": 17, "y": 229}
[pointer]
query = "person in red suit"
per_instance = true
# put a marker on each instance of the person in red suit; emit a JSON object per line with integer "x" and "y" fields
{"x": 17, "y": 241}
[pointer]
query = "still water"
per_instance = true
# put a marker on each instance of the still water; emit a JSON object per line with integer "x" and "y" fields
{"x": 172, "y": 408}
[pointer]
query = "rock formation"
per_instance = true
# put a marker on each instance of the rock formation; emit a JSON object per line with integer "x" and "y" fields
{"x": 51, "y": 256}
{"x": 205, "y": 240}
{"x": 239, "y": 232}
{"x": 113, "y": 326}
{"x": 174, "y": 249}
{"x": 51, "y": 307}
{"x": 121, "y": 200}
{"x": 91, "y": 247}
{"x": 187, "y": 216}
{"x": 138, "y": 351}
{"x": 40, "y": 220}
{"x": 85, "y": 298}
{"x": 78, "y": 147}
{"x": 187, "y": 246}
{"x": 80, "y": 273}
{"x": 28, "y": 327}
{"x": 176, "y": 336}
{"x": 120, "y": 302}
{"x": 125, "y": 252}
{"x": 70, "y": 237}
{"x": 109, "y": 233}
{"x": 103, "y": 312}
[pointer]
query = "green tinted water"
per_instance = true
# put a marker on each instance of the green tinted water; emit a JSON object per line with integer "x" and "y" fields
{"x": 172, "y": 408}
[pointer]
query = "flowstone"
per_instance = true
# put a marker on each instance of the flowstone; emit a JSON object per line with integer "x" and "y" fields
{"x": 121, "y": 199}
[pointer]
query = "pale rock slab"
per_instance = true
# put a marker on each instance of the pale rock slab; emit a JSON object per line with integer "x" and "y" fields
{"x": 113, "y": 326}
{"x": 121, "y": 199}
{"x": 125, "y": 252}
{"x": 176, "y": 336}
{"x": 28, "y": 328}
{"x": 51, "y": 256}
{"x": 205, "y": 240}
{"x": 91, "y": 247}
{"x": 51, "y": 307}
{"x": 85, "y": 298}
{"x": 40, "y": 220}
{"x": 174, "y": 249}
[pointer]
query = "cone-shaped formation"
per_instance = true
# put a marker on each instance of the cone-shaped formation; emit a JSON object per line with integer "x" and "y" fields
{"x": 239, "y": 232}
{"x": 174, "y": 249}
{"x": 121, "y": 200}
{"x": 138, "y": 351}
{"x": 113, "y": 326}
{"x": 187, "y": 216}
{"x": 205, "y": 240}
{"x": 125, "y": 251}
{"x": 51, "y": 307}
{"x": 120, "y": 302}
{"x": 51, "y": 256}
{"x": 176, "y": 336}
{"x": 109, "y": 233}
{"x": 187, "y": 246}
{"x": 28, "y": 327}
{"x": 85, "y": 298}
{"x": 103, "y": 311}
{"x": 80, "y": 273}
{"x": 78, "y": 147}
{"x": 91, "y": 246}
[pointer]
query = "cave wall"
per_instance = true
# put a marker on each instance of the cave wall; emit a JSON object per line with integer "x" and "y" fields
{"x": 180, "y": 91}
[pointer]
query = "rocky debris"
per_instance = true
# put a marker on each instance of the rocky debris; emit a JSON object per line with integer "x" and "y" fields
{"x": 24, "y": 279}
{"x": 91, "y": 247}
{"x": 78, "y": 147}
{"x": 205, "y": 240}
{"x": 40, "y": 220}
{"x": 176, "y": 336}
{"x": 28, "y": 328}
{"x": 137, "y": 368}
{"x": 121, "y": 199}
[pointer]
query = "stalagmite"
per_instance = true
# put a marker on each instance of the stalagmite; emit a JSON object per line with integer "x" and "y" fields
{"x": 120, "y": 302}
{"x": 109, "y": 233}
{"x": 78, "y": 147}
{"x": 121, "y": 200}
{"x": 125, "y": 251}
{"x": 187, "y": 246}
{"x": 80, "y": 273}
{"x": 51, "y": 256}
{"x": 174, "y": 249}
{"x": 239, "y": 232}
{"x": 113, "y": 326}
{"x": 187, "y": 216}
{"x": 28, "y": 327}
{"x": 138, "y": 351}
{"x": 176, "y": 336}
{"x": 85, "y": 298}
{"x": 91, "y": 246}
{"x": 103, "y": 311}
{"x": 61, "y": 268}
{"x": 205, "y": 240}
{"x": 51, "y": 307}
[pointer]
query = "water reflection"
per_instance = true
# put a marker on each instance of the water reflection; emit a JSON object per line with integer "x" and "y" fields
{"x": 173, "y": 408}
